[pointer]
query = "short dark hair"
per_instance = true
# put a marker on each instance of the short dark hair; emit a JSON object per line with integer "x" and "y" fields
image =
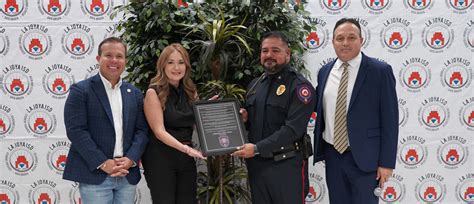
{"x": 111, "y": 40}
{"x": 276, "y": 34}
{"x": 347, "y": 20}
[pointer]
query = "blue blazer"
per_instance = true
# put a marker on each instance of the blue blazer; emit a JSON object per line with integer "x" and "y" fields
{"x": 89, "y": 127}
{"x": 372, "y": 116}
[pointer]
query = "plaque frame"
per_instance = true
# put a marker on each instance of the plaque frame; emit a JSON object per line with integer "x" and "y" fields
{"x": 228, "y": 139}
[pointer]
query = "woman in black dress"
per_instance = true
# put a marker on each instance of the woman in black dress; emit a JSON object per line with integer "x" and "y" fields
{"x": 170, "y": 169}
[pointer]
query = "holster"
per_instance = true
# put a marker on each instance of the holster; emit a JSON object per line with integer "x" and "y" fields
{"x": 306, "y": 147}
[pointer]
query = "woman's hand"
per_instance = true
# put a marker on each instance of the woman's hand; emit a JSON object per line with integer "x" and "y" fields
{"x": 193, "y": 152}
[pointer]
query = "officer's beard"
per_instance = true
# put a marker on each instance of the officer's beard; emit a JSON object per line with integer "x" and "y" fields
{"x": 271, "y": 66}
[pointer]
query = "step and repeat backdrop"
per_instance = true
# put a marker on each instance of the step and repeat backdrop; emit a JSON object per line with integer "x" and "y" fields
{"x": 47, "y": 45}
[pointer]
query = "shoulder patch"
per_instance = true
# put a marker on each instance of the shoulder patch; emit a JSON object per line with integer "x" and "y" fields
{"x": 304, "y": 93}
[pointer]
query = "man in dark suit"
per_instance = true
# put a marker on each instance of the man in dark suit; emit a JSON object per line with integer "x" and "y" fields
{"x": 106, "y": 126}
{"x": 356, "y": 130}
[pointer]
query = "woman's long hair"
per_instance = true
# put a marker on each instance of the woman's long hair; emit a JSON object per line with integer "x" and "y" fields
{"x": 162, "y": 81}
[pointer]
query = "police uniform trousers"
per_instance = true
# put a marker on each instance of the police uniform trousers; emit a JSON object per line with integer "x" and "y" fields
{"x": 347, "y": 184}
{"x": 278, "y": 182}
{"x": 170, "y": 174}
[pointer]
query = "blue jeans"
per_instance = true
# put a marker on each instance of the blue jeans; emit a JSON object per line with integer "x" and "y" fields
{"x": 114, "y": 190}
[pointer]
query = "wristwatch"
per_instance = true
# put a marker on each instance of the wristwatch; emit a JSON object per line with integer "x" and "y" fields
{"x": 255, "y": 150}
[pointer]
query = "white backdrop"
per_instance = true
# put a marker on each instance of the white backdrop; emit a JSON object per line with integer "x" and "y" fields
{"x": 46, "y": 45}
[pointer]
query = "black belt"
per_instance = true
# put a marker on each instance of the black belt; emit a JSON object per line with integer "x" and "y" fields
{"x": 284, "y": 152}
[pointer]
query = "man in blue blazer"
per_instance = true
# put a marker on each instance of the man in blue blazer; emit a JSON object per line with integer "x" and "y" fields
{"x": 106, "y": 126}
{"x": 356, "y": 133}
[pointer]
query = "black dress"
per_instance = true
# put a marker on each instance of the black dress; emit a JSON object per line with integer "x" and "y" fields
{"x": 169, "y": 173}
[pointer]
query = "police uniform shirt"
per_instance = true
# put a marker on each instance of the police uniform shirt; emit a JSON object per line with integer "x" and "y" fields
{"x": 279, "y": 107}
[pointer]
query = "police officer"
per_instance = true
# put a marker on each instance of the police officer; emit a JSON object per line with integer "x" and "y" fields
{"x": 279, "y": 104}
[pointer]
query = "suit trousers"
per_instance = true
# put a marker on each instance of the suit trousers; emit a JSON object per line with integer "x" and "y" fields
{"x": 170, "y": 174}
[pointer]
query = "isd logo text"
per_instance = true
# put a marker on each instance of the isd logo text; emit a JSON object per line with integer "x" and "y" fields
{"x": 111, "y": 31}
{"x": 415, "y": 74}
{"x": 16, "y": 81}
{"x": 459, "y": 6}
{"x": 396, "y": 35}
{"x": 77, "y": 41}
{"x": 44, "y": 191}
{"x": 92, "y": 70}
{"x": 403, "y": 113}
{"x": 4, "y": 42}
{"x": 433, "y": 113}
{"x": 8, "y": 193}
{"x": 317, "y": 189}
{"x": 418, "y": 6}
{"x": 57, "y": 156}
{"x": 7, "y": 121}
{"x": 97, "y": 9}
{"x": 57, "y": 80}
{"x": 453, "y": 151}
{"x": 21, "y": 158}
{"x": 35, "y": 42}
{"x": 430, "y": 188}
{"x": 437, "y": 35}
{"x": 376, "y": 6}
{"x": 465, "y": 188}
{"x": 74, "y": 196}
{"x": 40, "y": 120}
{"x": 394, "y": 190}
{"x": 466, "y": 114}
{"x": 13, "y": 10}
{"x": 318, "y": 39}
{"x": 412, "y": 151}
{"x": 456, "y": 74}
{"x": 468, "y": 35}
{"x": 334, "y": 7}
{"x": 54, "y": 9}
{"x": 366, "y": 34}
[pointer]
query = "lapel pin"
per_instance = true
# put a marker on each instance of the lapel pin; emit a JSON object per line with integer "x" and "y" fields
{"x": 128, "y": 90}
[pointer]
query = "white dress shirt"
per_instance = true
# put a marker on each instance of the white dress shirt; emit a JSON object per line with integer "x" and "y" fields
{"x": 330, "y": 93}
{"x": 115, "y": 99}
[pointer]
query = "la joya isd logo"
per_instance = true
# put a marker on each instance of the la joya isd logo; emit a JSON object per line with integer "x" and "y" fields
{"x": 466, "y": 114}
{"x": 465, "y": 188}
{"x": 468, "y": 35}
{"x": 97, "y": 9}
{"x": 57, "y": 156}
{"x": 35, "y": 42}
{"x": 334, "y": 7}
{"x": 4, "y": 42}
{"x": 317, "y": 39}
{"x": 74, "y": 196}
{"x": 453, "y": 151}
{"x": 430, "y": 188}
{"x": 13, "y": 9}
{"x": 54, "y": 9}
{"x": 393, "y": 190}
{"x": 456, "y": 74}
{"x": 77, "y": 41}
{"x": 415, "y": 74}
{"x": 21, "y": 158}
{"x": 418, "y": 6}
{"x": 376, "y": 6}
{"x": 44, "y": 191}
{"x": 437, "y": 35}
{"x": 92, "y": 71}
{"x": 459, "y": 6}
{"x": 16, "y": 82}
{"x": 396, "y": 34}
{"x": 40, "y": 120}
{"x": 433, "y": 113}
{"x": 7, "y": 121}
{"x": 412, "y": 151}
{"x": 403, "y": 113}
{"x": 317, "y": 189}
{"x": 57, "y": 80}
{"x": 8, "y": 193}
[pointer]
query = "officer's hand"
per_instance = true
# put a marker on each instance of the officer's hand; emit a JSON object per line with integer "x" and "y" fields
{"x": 244, "y": 114}
{"x": 245, "y": 151}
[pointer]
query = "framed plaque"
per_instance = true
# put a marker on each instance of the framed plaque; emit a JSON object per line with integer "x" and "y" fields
{"x": 219, "y": 126}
